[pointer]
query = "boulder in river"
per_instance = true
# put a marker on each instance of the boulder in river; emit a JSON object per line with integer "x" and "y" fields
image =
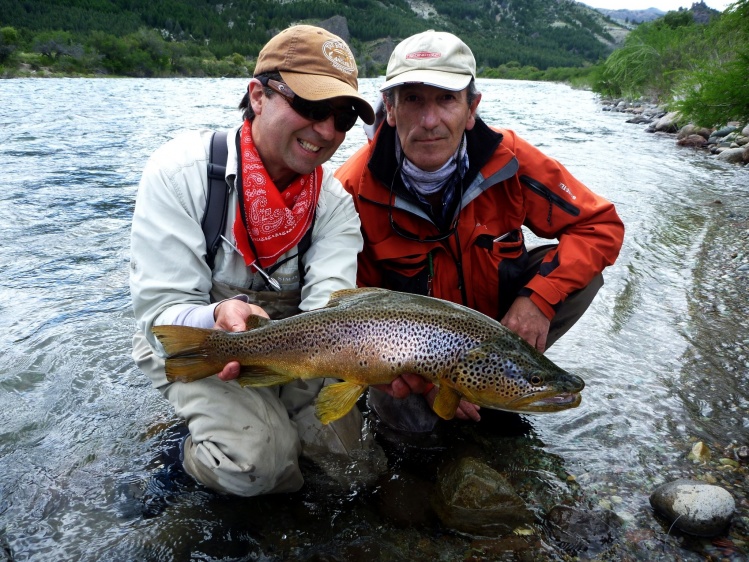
{"x": 694, "y": 507}
{"x": 474, "y": 498}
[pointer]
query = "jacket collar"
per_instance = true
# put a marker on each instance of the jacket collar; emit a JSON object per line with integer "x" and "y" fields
{"x": 481, "y": 142}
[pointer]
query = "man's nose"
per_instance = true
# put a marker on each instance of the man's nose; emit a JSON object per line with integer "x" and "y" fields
{"x": 326, "y": 128}
{"x": 429, "y": 116}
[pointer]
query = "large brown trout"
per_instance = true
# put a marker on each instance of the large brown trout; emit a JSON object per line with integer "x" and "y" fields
{"x": 371, "y": 336}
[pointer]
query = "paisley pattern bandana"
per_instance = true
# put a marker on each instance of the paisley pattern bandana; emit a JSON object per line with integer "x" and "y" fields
{"x": 275, "y": 220}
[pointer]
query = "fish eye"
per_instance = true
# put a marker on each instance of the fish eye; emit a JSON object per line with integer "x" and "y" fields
{"x": 536, "y": 380}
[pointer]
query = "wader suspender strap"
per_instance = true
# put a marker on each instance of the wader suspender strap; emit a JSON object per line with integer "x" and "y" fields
{"x": 214, "y": 219}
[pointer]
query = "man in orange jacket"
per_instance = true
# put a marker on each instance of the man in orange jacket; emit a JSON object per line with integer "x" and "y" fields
{"x": 442, "y": 198}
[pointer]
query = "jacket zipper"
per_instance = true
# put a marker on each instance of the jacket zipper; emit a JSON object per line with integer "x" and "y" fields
{"x": 553, "y": 199}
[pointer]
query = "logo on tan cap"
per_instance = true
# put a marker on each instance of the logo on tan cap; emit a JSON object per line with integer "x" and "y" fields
{"x": 340, "y": 55}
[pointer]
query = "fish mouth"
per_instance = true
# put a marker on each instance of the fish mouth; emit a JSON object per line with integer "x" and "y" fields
{"x": 546, "y": 402}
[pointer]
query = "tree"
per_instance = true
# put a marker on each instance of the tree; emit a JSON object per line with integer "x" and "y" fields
{"x": 716, "y": 91}
{"x": 8, "y": 43}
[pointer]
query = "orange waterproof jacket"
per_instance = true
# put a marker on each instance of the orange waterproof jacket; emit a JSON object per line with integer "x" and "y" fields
{"x": 509, "y": 184}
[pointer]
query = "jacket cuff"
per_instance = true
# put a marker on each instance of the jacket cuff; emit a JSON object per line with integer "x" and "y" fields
{"x": 544, "y": 295}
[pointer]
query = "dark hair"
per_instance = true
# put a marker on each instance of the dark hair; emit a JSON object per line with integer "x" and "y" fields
{"x": 470, "y": 96}
{"x": 245, "y": 105}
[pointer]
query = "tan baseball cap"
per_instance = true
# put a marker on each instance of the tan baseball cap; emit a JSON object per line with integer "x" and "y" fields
{"x": 435, "y": 58}
{"x": 316, "y": 64}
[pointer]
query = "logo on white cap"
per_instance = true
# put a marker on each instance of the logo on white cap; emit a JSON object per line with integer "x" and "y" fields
{"x": 423, "y": 55}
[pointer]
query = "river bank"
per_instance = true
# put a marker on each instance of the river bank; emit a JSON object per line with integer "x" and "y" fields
{"x": 729, "y": 143}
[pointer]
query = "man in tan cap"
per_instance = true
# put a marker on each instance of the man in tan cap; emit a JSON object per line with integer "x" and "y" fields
{"x": 443, "y": 199}
{"x": 290, "y": 239}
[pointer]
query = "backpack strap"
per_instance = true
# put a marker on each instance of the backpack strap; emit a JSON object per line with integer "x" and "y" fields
{"x": 214, "y": 219}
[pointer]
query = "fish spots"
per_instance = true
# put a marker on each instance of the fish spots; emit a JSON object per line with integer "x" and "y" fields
{"x": 375, "y": 334}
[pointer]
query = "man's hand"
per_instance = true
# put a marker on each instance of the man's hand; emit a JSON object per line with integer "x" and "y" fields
{"x": 409, "y": 383}
{"x": 404, "y": 385}
{"x": 526, "y": 319}
{"x": 231, "y": 316}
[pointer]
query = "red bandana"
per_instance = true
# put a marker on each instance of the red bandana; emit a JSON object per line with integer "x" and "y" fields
{"x": 276, "y": 220}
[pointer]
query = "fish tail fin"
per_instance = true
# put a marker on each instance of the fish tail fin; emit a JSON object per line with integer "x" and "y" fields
{"x": 188, "y": 357}
{"x": 336, "y": 400}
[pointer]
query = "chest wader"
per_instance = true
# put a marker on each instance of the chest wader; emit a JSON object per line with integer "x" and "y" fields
{"x": 338, "y": 438}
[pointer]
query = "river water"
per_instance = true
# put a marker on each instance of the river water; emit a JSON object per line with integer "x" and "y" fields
{"x": 85, "y": 440}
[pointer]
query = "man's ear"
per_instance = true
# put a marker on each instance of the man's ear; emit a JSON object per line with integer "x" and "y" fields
{"x": 257, "y": 96}
{"x": 473, "y": 109}
{"x": 389, "y": 109}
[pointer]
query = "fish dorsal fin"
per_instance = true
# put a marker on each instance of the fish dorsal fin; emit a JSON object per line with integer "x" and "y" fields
{"x": 255, "y": 376}
{"x": 446, "y": 403}
{"x": 255, "y": 321}
{"x": 336, "y": 400}
{"x": 352, "y": 295}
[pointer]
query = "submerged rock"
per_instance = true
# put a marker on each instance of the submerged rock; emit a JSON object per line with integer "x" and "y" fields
{"x": 694, "y": 507}
{"x": 583, "y": 530}
{"x": 474, "y": 498}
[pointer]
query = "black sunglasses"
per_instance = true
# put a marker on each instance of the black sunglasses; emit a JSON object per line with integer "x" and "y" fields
{"x": 402, "y": 232}
{"x": 343, "y": 119}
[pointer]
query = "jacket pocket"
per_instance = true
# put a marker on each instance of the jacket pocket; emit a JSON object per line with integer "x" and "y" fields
{"x": 498, "y": 266}
{"x": 408, "y": 278}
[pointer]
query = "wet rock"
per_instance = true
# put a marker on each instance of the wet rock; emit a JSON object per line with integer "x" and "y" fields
{"x": 693, "y": 141}
{"x": 474, "y": 498}
{"x": 508, "y": 547}
{"x": 639, "y": 119}
{"x": 589, "y": 531}
{"x": 694, "y": 507}
{"x": 669, "y": 123}
{"x": 699, "y": 452}
{"x": 732, "y": 155}
{"x": 692, "y": 129}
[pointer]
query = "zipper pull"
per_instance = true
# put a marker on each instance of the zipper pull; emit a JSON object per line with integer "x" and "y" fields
{"x": 269, "y": 281}
{"x": 275, "y": 285}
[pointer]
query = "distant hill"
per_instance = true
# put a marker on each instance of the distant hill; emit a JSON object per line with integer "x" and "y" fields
{"x": 632, "y": 16}
{"x": 700, "y": 11}
{"x": 535, "y": 33}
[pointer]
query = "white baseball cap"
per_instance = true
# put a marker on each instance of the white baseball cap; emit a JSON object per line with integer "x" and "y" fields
{"x": 435, "y": 58}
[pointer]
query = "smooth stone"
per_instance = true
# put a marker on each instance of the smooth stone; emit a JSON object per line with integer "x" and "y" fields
{"x": 694, "y": 507}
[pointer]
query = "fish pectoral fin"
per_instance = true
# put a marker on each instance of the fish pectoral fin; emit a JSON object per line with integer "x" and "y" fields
{"x": 262, "y": 376}
{"x": 336, "y": 400}
{"x": 446, "y": 403}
